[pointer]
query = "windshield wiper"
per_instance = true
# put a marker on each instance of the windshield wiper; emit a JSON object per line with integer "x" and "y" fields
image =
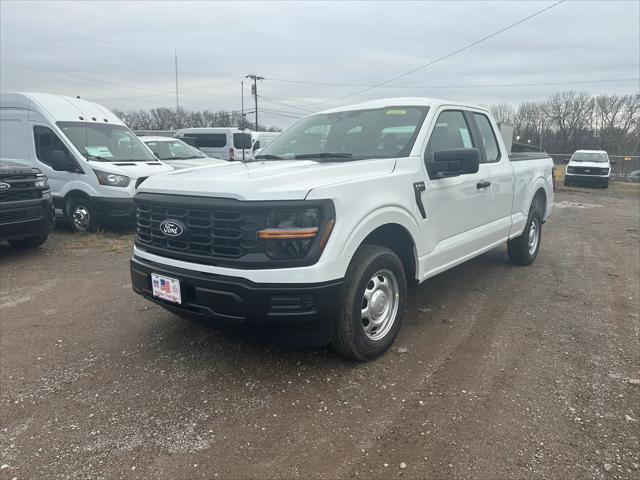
{"x": 96, "y": 157}
{"x": 324, "y": 155}
{"x": 270, "y": 157}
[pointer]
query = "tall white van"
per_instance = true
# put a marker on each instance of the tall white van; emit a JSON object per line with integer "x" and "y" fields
{"x": 262, "y": 139}
{"x": 93, "y": 161}
{"x": 223, "y": 142}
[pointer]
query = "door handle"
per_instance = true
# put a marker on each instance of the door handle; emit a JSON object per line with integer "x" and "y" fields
{"x": 418, "y": 188}
{"x": 483, "y": 184}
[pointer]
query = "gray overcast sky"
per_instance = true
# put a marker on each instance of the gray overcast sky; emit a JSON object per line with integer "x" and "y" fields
{"x": 129, "y": 46}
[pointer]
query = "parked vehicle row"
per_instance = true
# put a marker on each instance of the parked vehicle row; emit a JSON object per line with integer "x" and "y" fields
{"x": 92, "y": 160}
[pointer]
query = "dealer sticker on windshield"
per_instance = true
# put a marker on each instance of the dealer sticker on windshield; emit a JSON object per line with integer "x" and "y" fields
{"x": 166, "y": 288}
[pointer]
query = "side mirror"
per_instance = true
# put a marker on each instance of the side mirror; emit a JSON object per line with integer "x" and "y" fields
{"x": 451, "y": 163}
{"x": 61, "y": 163}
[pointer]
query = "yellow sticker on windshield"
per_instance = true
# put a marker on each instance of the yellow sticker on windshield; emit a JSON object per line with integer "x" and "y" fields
{"x": 396, "y": 112}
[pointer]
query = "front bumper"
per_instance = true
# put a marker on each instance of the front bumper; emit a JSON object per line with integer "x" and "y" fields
{"x": 115, "y": 210}
{"x": 303, "y": 314}
{"x": 26, "y": 219}
{"x": 588, "y": 179}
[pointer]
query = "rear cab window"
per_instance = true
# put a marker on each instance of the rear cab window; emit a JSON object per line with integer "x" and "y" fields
{"x": 488, "y": 137}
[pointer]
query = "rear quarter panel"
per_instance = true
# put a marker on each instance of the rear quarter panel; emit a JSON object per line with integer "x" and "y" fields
{"x": 530, "y": 176}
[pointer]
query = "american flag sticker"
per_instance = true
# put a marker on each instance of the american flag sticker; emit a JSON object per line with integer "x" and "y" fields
{"x": 166, "y": 288}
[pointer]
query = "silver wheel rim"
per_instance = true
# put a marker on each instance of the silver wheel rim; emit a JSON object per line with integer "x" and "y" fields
{"x": 380, "y": 303}
{"x": 81, "y": 217}
{"x": 534, "y": 235}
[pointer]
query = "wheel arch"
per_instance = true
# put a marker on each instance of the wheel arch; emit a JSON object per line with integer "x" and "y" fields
{"x": 394, "y": 229}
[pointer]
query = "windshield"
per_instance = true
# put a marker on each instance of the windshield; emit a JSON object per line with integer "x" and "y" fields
{"x": 599, "y": 157}
{"x": 173, "y": 149}
{"x": 376, "y": 133}
{"x": 106, "y": 142}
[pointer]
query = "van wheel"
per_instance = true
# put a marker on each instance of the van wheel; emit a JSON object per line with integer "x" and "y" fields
{"x": 29, "y": 242}
{"x": 523, "y": 250}
{"x": 82, "y": 214}
{"x": 373, "y": 304}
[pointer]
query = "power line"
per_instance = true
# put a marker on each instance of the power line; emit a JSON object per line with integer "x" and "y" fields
{"x": 273, "y": 100}
{"x": 444, "y": 57}
{"x": 481, "y": 85}
{"x": 77, "y": 77}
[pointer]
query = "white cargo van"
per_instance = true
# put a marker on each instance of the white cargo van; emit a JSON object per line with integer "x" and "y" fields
{"x": 93, "y": 161}
{"x": 262, "y": 139}
{"x": 223, "y": 142}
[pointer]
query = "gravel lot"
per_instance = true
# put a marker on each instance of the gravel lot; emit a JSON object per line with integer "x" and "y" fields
{"x": 499, "y": 372}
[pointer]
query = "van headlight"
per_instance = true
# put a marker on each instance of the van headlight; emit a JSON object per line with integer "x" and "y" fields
{"x": 291, "y": 233}
{"x": 112, "y": 179}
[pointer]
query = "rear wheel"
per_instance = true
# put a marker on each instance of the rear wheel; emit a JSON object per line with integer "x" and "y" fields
{"x": 373, "y": 303}
{"x": 82, "y": 214}
{"x": 29, "y": 242}
{"x": 523, "y": 250}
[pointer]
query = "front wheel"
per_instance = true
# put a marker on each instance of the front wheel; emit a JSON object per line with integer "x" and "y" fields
{"x": 82, "y": 215}
{"x": 29, "y": 242}
{"x": 523, "y": 250}
{"x": 373, "y": 303}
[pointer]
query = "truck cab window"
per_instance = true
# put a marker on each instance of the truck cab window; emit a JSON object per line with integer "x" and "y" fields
{"x": 46, "y": 142}
{"x": 488, "y": 138}
{"x": 451, "y": 132}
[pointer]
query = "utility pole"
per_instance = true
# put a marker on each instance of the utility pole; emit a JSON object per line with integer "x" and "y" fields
{"x": 242, "y": 113}
{"x": 254, "y": 90}
{"x": 175, "y": 57}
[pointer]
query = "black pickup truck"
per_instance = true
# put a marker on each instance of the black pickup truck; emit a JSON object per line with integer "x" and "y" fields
{"x": 26, "y": 207}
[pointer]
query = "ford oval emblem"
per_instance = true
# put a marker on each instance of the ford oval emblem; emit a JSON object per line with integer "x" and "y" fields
{"x": 4, "y": 186}
{"x": 172, "y": 228}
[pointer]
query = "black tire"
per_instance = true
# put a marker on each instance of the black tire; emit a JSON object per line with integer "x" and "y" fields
{"x": 519, "y": 248}
{"x": 605, "y": 184}
{"x": 29, "y": 242}
{"x": 350, "y": 338}
{"x": 81, "y": 213}
{"x": 567, "y": 183}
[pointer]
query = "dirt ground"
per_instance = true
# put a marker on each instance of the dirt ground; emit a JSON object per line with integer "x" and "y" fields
{"x": 509, "y": 372}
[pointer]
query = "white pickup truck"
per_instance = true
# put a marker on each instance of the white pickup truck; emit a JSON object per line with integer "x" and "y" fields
{"x": 316, "y": 238}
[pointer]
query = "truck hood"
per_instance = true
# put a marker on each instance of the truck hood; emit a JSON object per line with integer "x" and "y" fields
{"x": 131, "y": 169}
{"x": 590, "y": 164}
{"x": 265, "y": 180}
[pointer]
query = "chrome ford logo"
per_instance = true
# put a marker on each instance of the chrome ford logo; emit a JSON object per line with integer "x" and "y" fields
{"x": 4, "y": 186}
{"x": 172, "y": 228}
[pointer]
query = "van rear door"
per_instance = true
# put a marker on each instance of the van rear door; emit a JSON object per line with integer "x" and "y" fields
{"x": 242, "y": 144}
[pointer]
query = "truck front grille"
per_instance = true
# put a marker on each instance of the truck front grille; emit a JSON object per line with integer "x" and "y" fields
{"x": 21, "y": 187}
{"x": 588, "y": 170}
{"x": 214, "y": 231}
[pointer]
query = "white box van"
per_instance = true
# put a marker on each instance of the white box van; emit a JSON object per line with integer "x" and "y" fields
{"x": 93, "y": 161}
{"x": 223, "y": 142}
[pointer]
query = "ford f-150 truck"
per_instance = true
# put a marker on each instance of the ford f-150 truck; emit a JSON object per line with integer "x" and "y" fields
{"x": 26, "y": 206}
{"x": 317, "y": 237}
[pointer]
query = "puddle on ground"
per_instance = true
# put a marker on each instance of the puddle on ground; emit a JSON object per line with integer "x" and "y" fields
{"x": 566, "y": 204}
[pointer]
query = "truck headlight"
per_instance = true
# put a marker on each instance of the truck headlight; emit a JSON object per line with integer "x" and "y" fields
{"x": 570, "y": 169}
{"x": 41, "y": 182}
{"x": 112, "y": 179}
{"x": 292, "y": 232}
